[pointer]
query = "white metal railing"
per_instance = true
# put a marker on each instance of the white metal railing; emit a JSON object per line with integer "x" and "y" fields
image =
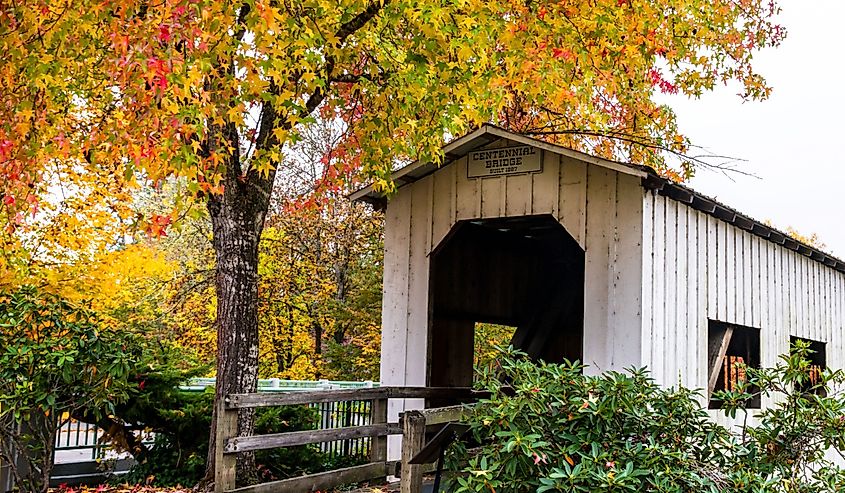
{"x": 82, "y": 442}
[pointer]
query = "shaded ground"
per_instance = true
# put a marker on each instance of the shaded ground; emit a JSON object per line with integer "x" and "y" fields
{"x": 126, "y": 488}
{"x": 374, "y": 488}
{"x": 387, "y": 488}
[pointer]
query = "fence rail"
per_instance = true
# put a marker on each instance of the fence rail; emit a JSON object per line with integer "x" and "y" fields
{"x": 74, "y": 438}
{"x": 375, "y": 429}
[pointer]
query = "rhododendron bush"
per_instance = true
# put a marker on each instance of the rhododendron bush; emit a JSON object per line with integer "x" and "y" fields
{"x": 548, "y": 427}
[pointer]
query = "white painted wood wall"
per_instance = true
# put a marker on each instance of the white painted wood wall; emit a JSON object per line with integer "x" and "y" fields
{"x": 697, "y": 267}
{"x": 600, "y": 208}
{"x": 656, "y": 271}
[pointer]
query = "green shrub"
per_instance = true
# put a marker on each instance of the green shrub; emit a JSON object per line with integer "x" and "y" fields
{"x": 547, "y": 427}
{"x": 55, "y": 359}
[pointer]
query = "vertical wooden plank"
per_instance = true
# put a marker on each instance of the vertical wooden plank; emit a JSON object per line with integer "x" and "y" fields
{"x": 712, "y": 266}
{"x": 782, "y": 292}
{"x": 648, "y": 279}
{"x": 573, "y": 198}
{"x": 704, "y": 293}
{"x": 467, "y": 192}
{"x": 752, "y": 282}
{"x": 760, "y": 282}
{"x": 691, "y": 284}
{"x": 397, "y": 232}
{"x": 659, "y": 288}
{"x": 378, "y": 445}
{"x": 395, "y": 302}
{"x": 834, "y": 329}
{"x": 815, "y": 298}
{"x": 741, "y": 276}
{"x": 627, "y": 276}
{"x": 747, "y": 274}
{"x": 833, "y": 320}
{"x": 831, "y": 306}
{"x": 812, "y": 296}
{"x": 546, "y": 186}
{"x": 416, "y": 361}
{"x": 601, "y": 200}
{"x": 730, "y": 273}
{"x": 809, "y": 296}
{"x": 804, "y": 288}
{"x": 828, "y": 303}
{"x": 805, "y": 285}
{"x": 443, "y": 203}
{"x": 795, "y": 293}
{"x": 224, "y": 464}
{"x": 837, "y": 343}
{"x": 771, "y": 308}
{"x": 670, "y": 273}
{"x": 800, "y": 293}
{"x": 681, "y": 330}
{"x": 839, "y": 325}
{"x": 839, "y": 322}
{"x": 721, "y": 272}
{"x": 820, "y": 300}
{"x": 790, "y": 316}
{"x": 413, "y": 438}
{"x": 518, "y": 195}
{"x": 492, "y": 196}
{"x": 756, "y": 296}
{"x": 791, "y": 271}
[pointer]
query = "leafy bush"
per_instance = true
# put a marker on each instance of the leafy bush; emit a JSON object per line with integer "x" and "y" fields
{"x": 795, "y": 440}
{"x": 547, "y": 427}
{"x": 55, "y": 359}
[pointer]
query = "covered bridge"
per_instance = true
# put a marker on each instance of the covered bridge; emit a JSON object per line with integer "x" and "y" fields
{"x": 589, "y": 259}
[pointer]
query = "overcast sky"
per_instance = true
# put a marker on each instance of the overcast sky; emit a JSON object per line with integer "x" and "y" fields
{"x": 792, "y": 142}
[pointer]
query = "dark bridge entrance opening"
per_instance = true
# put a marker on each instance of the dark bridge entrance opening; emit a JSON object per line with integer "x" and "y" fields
{"x": 525, "y": 272}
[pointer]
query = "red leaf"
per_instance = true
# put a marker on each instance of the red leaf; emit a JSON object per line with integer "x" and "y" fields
{"x": 9, "y": 200}
{"x": 164, "y": 33}
{"x": 562, "y": 53}
{"x": 541, "y": 14}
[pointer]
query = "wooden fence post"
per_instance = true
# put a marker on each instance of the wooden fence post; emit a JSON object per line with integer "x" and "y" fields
{"x": 413, "y": 439}
{"x": 378, "y": 445}
{"x": 224, "y": 464}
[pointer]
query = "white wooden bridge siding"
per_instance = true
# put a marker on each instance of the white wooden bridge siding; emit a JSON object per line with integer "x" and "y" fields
{"x": 600, "y": 208}
{"x": 698, "y": 267}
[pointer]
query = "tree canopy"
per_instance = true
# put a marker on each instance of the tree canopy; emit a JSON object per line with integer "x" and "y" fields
{"x": 117, "y": 92}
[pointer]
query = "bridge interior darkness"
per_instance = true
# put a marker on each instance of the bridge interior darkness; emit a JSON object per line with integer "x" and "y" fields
{"x": 526, "y": 272}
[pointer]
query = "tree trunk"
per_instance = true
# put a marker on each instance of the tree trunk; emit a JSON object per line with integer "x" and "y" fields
{"x": 237, "y": 218}
{"x": 26, "y": 451}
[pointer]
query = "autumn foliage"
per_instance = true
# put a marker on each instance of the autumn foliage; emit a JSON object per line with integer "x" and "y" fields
{"x": 106, "y": 103}
{"x": 133, "y": 90}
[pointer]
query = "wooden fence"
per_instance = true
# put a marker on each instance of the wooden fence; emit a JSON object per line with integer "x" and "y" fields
{"x": 412, "y": 427}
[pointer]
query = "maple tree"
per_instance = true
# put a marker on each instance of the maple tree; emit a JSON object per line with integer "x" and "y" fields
{"x": 812, "y": 239}
{"x": 320, "y": 293}
{"x": 107, "y": 95}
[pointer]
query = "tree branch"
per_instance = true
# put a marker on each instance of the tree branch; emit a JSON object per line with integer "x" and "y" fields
{"x": 639, "y": 141}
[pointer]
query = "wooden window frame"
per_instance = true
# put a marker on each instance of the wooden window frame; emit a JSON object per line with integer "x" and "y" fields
{"x": 818, "y": 358}
{"x": 727, "y": 345}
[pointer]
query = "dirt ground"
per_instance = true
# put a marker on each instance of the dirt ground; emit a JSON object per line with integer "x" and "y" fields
{"x": 387, "y": 488}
